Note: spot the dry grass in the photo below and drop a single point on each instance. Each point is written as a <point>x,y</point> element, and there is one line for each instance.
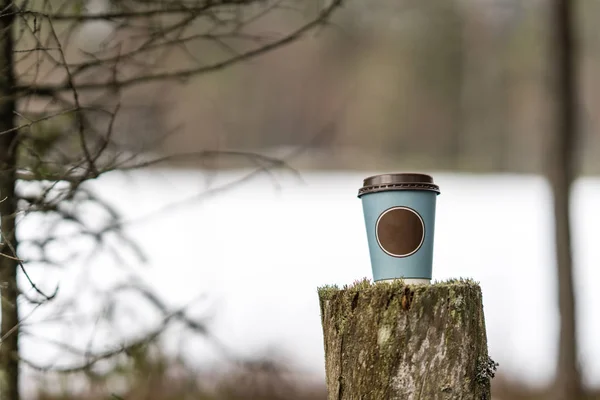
<point>508,389</point>
<point>264,380</point>
<point>256,380</point>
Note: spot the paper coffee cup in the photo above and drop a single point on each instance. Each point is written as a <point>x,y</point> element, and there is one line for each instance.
<point>399,213</point>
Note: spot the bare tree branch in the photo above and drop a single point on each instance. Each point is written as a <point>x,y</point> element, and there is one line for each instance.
<point>201,7</point>
<point>59,125</point>
<point>322,18</point>
<point>131,346</point>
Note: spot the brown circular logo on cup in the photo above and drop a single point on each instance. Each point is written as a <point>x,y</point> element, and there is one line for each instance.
<point>400,231</point>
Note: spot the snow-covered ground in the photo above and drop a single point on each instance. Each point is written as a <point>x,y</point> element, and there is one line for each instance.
<point>259,252</point>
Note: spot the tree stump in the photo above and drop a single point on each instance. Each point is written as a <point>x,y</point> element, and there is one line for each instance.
<point>388,341</point>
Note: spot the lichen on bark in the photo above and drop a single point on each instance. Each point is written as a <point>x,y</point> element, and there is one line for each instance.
<point>397,341</point>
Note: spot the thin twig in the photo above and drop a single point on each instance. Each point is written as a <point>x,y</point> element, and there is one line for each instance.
<point>79,117</point>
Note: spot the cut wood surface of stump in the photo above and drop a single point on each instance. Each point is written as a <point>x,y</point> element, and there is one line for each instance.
<point>395,341</point>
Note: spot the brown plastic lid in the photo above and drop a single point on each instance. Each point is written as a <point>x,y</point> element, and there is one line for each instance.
<point>400,181</point>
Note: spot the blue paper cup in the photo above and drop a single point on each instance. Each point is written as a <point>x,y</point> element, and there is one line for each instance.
<point>399,211</point>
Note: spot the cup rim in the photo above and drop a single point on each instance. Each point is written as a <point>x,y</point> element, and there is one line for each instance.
<point>398,181</point>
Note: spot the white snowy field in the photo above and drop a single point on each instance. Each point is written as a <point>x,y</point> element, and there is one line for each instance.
<point>259,252</point>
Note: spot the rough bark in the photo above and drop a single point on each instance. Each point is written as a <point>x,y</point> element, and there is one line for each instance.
<point>9,328</point>
<point>393,341</point>
<point>561,170</point>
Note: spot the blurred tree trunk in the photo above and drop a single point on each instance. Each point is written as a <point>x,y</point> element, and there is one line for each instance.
<point>561,173</point>
<point>9,365</point>
<point>479,94</point>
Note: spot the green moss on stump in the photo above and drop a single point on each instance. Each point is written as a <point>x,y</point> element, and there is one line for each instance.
<point>398,341</point>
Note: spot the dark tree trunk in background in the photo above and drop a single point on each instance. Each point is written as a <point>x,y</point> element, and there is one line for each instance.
<point>9,365</point>
<point>561,173</point>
